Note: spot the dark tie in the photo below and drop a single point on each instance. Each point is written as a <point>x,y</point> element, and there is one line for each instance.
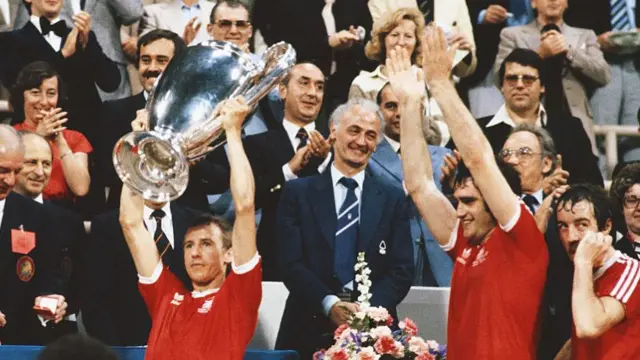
<point>82,4</point>
<point>58,28</point>
<point>303,136</point>
<point>531,202</point>
<point>162,242</point>
<point>426,8</point>
<point>399,152</point>
<point>347,234</point>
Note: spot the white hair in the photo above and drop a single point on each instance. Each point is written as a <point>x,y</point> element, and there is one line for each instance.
<point>364,104</point>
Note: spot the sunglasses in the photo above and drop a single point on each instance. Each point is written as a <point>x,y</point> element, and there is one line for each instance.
<point>227,24</point>
<point>527,80</point>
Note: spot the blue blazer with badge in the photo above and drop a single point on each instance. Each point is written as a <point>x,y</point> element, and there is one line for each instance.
<point>306,227</point>
<point>386,166</point>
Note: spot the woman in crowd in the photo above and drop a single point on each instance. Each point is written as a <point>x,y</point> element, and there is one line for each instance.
<point>35,98</point>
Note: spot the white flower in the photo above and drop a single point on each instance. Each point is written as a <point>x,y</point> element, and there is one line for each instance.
<point>417,345</point>
<point>360,314</point>
<point>379,314</point>
<point>367,353</point>
<point>358,278</point>
<point>380,331</point>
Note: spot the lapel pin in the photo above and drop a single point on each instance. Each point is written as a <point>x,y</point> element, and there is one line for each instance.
<point>382,249</point>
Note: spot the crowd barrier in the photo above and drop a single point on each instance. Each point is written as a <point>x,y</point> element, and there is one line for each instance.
<point>611,134</point>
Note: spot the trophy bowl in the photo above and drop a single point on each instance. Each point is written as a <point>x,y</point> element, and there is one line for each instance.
<point>182,123</point>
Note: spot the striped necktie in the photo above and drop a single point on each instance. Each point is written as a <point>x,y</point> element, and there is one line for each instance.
<point>347,234</point>
<point>426,8</point>
<point>162,242</point>
<point>620,15</point>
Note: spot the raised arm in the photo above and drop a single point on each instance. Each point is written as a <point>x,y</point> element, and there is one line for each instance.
<point>141,245</point>
<point>233,113</point>
<point>416,160</point>
<point>474,148</point>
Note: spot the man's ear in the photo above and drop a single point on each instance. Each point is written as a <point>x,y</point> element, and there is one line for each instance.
<point>547,165</point>
<point>608,225</point>
<point>282,91</point>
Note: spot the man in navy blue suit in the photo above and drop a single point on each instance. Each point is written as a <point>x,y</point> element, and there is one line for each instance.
<point>324,221</point>
<point>433,265</point>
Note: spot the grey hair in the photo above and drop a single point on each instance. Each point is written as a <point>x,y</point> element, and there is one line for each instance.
<point>10,139</point>
<point>366,105</point>
<point>547,146</point>
<point>431,131</point>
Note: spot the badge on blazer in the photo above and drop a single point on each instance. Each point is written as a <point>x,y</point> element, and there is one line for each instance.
<point>25,268</point>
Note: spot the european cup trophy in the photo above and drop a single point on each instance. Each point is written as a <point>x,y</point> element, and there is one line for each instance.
<point>182,123</point>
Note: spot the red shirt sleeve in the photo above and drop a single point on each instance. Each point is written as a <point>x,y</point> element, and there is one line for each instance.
<point>162,290</point>
<point>526,235</point>
<point>621,283</point>
<point>459,242</point>
<point>78,143</point>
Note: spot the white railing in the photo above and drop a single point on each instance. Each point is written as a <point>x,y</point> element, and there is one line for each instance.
<point>611,133</point>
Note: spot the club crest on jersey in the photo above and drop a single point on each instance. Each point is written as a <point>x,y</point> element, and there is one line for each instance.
<point>177,299</point>
<point>206,306</point>
<point>481,257</point>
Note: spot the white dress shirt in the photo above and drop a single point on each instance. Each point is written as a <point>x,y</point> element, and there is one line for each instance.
<point>4,10</point>
<point>502,117</point>
<point>292,130</point>
<point>2,202</point>
<point>538,195</point>
<point>166,222</point>
<point>54,40</point>
<point>39,199</point>
<point>394,144</point>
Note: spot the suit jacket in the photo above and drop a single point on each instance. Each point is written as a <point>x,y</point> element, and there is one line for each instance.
<point>587,70</point>
<point>306,233</point>
<point>80,73</point>
<point>571,142</point>
<point>385,165</point>
<point>598,18</point>
<point>169,17</point>
<point>452,14</point>
<point>40,277</point>
<point>300,24</point>
<point>113,309</point>
<point>14,5</point>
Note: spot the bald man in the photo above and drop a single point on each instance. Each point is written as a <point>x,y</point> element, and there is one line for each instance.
<point>29,252</point>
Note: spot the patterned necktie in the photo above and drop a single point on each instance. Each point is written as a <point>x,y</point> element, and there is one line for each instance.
<point>162,242</point>
<point>347,234</point>
<point>303,136</point>
<point>426,8</point>
<point>531,202</point>
<point>620,15</point>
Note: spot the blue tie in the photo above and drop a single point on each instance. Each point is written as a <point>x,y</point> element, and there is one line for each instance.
<point>347,234</point>
<point>620,15</point>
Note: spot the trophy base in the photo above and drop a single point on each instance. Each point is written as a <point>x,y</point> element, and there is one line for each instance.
<point>151,166</point>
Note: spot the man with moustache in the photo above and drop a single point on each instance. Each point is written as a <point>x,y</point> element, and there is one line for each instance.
<point>27,260</point>
<point>325,221</point>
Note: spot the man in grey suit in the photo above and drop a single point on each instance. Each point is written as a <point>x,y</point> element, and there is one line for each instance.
<point>107,16</point>
<point>433,266</point>
<point>8,12</point>
<point>584,66</point>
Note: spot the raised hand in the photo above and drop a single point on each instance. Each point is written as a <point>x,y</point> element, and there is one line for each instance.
<point>319,147</point>
<point>141,122</point>
<point>552,43</point>
<point>343,39</point>
<point>82,21</point>
<point>495,14</point>
<point>191,30</point>
<point>70,45</point>
<point>51,123</point>
<point>233,113</point>
<point>406,83</point>
<point>437,55</point>
<point>461,41</point>
<point>592,248</point>
<point>557,178</point>
<point>300,159</point>
<point>449,167</point>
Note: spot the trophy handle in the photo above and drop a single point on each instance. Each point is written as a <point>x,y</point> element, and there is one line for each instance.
<point>278,60</point>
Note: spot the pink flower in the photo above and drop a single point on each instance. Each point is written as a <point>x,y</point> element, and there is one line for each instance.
<point>339,331</point>
<point>385,345</point>
<point>389,320</point>
<point>318,355</point>
<point>336,354</point>
<point>380,331</point>
<point>426,356</point>
<point>398,350</point>
<point>409,327</point>
<point>367,353</point>
<point>432,344</point>
<point>378,314</point>
<point>418,346</point>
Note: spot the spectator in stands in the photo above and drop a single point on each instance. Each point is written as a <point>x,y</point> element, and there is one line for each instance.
<point>401,28</point>
<point>573,52</point>
<point>106,20</point>
<point>489,18</point>
<point>604,298</point>
<point>113,310</point>
<point>617,102</point>
<point>8,13</point>
<point>334,216</point>
<point>294,150</point>
<point>34,245</point>
<point>77,347</point>
<point>31,180</point>
<point>323,33</point>
<point>494,240</point>
<point>220,315</point>
<point>522,82</point>
<point>36,96</point>
<point>75,54</point>
<point>433,266</point>
<point>452,16</point>
<point>187,18</point>
<point>625,193</point>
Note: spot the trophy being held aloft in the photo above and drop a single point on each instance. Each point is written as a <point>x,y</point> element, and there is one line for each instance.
<point>182,119</point>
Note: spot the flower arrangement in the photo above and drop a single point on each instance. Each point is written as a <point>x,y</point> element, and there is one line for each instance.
<point>368,336</point>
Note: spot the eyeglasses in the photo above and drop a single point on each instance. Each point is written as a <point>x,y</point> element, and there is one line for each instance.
<point>631,202</point>
<point>521,153</point>
<point>527,80</point>
<point>227,24</point>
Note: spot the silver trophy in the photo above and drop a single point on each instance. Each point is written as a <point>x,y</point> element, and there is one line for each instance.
<point>181,108</point>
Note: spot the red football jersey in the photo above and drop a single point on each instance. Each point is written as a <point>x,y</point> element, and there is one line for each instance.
<point>496,292</point>
<point>218,325</point>
<point>617,279</point>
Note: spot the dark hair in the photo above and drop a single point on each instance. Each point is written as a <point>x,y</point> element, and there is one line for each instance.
<point>625,179</point>
<point>507,171</point>
<point>287,78</point>
<point>524,57</point>
<point>233,4</point>
<point>595,195</point>
<point>379,96</point>
<point>31,77</point>
<point>154,35</point>
<point>225,227</point>
<point>77,347</point>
